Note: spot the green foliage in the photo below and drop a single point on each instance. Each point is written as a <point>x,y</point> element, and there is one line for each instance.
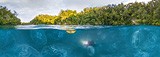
<point>7,17</point>
<point>43,19</point>
<point>137,13</point>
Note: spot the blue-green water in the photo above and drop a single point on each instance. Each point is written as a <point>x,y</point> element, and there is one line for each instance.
<point>116,41</point>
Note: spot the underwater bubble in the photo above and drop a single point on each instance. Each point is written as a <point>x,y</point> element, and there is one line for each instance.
<point>38,37</point>
<point>26,51</point>
<point>54,51</point>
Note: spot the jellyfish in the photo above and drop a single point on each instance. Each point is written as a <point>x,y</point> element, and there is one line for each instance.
<point>38,37</point>
<point>54,51</point>
<point>24,50</point>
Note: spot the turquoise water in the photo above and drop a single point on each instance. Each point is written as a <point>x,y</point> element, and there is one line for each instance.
<point>54,41</point>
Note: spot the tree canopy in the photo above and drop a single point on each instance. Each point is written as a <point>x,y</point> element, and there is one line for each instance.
<point>7,17</point>
<point>44,19</point>
<point>138,13</point>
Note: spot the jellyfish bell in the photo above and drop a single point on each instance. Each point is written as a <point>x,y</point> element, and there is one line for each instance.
<point>70,30</point>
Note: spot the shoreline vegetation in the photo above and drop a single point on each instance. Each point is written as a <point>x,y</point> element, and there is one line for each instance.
<point>137,13</point>
<point>7,17</point>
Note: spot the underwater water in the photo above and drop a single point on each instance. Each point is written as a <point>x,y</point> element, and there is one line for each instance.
<point>87,41</point>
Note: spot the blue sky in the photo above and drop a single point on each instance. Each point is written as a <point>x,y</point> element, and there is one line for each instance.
<point>28,9</point>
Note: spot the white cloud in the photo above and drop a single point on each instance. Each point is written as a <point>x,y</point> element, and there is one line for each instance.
<point>131,1</point>
<point>143,1</point>
<point>3,1</point>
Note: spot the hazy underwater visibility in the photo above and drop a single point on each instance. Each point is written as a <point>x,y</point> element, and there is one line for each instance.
<point>80,41</point>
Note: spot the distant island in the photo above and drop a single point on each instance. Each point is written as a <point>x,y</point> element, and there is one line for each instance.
<point>138,13</point>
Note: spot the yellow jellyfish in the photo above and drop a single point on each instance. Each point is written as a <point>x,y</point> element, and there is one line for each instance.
<point>71,31</point>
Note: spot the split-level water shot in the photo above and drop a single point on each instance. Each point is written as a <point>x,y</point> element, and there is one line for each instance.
<point>79,28</point>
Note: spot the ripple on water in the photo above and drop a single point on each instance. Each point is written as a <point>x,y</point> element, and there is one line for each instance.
<point>38,37</point>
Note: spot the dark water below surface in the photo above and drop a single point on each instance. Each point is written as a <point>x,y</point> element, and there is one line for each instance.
<point>106,41</point>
